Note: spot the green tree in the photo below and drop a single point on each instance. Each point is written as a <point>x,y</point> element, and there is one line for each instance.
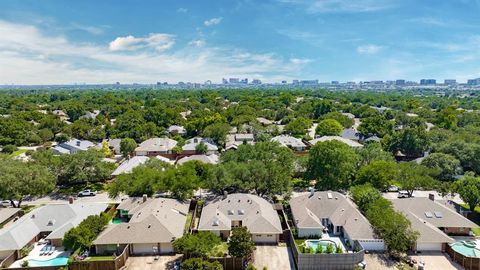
<point>412,142</point>
<point>332,163</point>
<point>82,236</point>
<point>83,167</point>
<point>240,244</point>
<point>344,120</point>
<point>298,127</point>
<point>200,264</point>
<point>376,125</point>
<point>19,180</point>
<point>196,245</point>
<point>127,147</point>
<point>378,173</point>
<point>446,164</point>
<point>469,190</point>
<point>412,176</point>
<point>217,132</point>
<point>9,148</point>
<point>201,148</point>
<point>365,195</point>
<point>373,151</point>
<point>329,127</point>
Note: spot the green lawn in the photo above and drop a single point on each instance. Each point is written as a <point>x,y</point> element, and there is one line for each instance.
<point>18,153</point>
<point>100,258</point>
<point>476,231</point>
<point>299,241</point>
<point>477,209</point>
<point>187,223</point>
<point>219,250</point>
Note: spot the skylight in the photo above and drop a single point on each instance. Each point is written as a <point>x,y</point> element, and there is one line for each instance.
<point>438,214</point>
<point>428,214</point>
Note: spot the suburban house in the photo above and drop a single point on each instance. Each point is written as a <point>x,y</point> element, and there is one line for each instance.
<point>434,220</point>
<point>73,146</point>
<point>290,142</point>
<point>264,121</point>
<point>153,224</point>
<point>208,159</point>
<point>235,140</point>
<point>90,115</point>
<point>49,222</point>
<point>155,146</point>
<point>175,129</point>
<point>236,210</point>
<point>348,142</point>
<point>190,146</point>
<point>129,164</point>
<point>319,212</point>
<point>114,145</point>
<point>61,114</point>
<point>8,214</point>
<point>350,134</point>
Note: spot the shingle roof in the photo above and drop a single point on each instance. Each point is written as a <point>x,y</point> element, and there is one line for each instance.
<point>423,208</point>
<point>6,213</point>
<point>157,145</point>
<point>256,214</point>
<point>309,210</point>
<point>190,145</point>
<point>337,138</point>
<point>54,218</point>
<point>154,221</point>
<point>128,165</point>
<point>209,159</point>
<point>286,140</point>
<point>176,128</point>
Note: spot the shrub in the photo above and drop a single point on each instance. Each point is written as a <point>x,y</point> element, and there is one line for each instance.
<point>9,148</point>
<point>199,263</point>
<point>82,236</point>
<point>197,245</point>
<point>241,243</point>
<point>330,248</point>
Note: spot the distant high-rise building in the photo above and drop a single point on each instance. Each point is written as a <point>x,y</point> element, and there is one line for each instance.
<point>244,81</point>
<point>474,81</point>
<point>224,81</point>
<point>117,83</point>
<point>428,82</point>
<point>233,80</point>
<point>335,82</point>
<point>284,82</point>
<point>400,82</point>
<point>309,82</point>
<point>450,82</point>
<point>208,82</point>
<point>256,81</point>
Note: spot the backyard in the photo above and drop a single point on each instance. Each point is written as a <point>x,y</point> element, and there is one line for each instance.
<point>326,244</point>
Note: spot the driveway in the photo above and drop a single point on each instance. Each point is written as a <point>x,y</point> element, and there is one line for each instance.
<point>149,262</point>
<point>433,261</point>
<point>274,257</point>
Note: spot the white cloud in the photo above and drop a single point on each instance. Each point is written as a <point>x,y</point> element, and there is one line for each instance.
<point>197,42</point>
<point>182,10</point>
<point>29,56</point>
<point>213,21</point>
<point>159,42</point>
<point>334,6</point>
<point>300,61</point>
<point>369,49</point>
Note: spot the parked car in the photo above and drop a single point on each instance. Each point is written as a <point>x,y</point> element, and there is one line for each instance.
<point>362,265</point>
<point>403,194</point>
<point>87,192</point>
<point>393,189</point>
<point>7,203</point>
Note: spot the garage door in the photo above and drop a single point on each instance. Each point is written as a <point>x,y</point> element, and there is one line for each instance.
<point>166,248</point>
<point>143,249</point>
<point>372,245</point>
<point>265,238</point>
<point>429,246</point>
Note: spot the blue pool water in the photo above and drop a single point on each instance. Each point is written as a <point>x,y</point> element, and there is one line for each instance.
<point>59,261</point>
<point>323,243</point>
<point>465,249</point>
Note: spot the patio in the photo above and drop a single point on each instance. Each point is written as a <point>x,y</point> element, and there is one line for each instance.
<point>36,257</point>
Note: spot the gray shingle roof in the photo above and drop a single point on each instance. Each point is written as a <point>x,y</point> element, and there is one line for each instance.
<point>6,213</point>
<point>158,220</point>
<point>256,214</point>
<point>209,159</point>
<point>157,145</point>
<point>54,218</point>
<point>427,216</point>
<point>309,210</point>
<point>336,138</point>
<point>289,141</point>
<point>190,145</point>
<point>128,165</point>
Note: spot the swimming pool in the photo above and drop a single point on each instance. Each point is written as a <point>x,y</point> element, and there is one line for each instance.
<point>466,248</point>
<point>323,243</point>
<point>59,261</point>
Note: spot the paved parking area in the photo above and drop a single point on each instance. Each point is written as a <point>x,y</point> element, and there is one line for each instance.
<point>149,262</point>
<point>274,257</point>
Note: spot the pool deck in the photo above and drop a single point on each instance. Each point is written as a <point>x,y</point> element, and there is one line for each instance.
<point>35,255</point>
<point>335,239</point>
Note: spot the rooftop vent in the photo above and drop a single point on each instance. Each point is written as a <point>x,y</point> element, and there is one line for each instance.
<point>149,225</point>
<point>230,212</point>
<point>329,195</point>
<point>51,222</point>
<point>215,223</point>
<point>241,212</point>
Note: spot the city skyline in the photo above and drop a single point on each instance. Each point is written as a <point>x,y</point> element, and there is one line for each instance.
<point>55,42</point>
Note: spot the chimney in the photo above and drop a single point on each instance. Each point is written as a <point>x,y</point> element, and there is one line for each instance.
<point>431,196</point>
<point>225,194</point>
<point>312,192</point>
<point>144,197</point>
<point>195,140</point>
<point>78,143</point>
<point>70,200</point>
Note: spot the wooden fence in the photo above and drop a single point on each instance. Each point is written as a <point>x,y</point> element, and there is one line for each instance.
<point>114,264</point>
<point>469,263</point>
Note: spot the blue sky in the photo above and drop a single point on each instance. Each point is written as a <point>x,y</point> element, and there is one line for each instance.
<point>46,42</point>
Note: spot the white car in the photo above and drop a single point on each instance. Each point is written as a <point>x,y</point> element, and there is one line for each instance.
<point>393,189</point>
<point>5,203</point>
<point>403,194</point>
<point>87,192</point>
